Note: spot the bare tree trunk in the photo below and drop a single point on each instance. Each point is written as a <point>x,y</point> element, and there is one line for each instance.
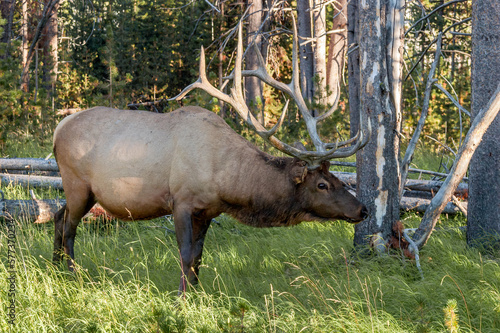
<point>319,21</point>
<point>336,51</point>
<point>353,64</point>
<point>483,224</point>
<point>253,85</point>
<point>25,46</point>
<point>305,49</point>
<point>49,45</point>
<point>378,162</point>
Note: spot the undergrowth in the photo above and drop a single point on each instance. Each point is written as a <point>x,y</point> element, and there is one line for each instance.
<point>300,279</point>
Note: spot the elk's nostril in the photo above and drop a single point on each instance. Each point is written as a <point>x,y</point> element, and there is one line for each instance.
<point>364,213</point>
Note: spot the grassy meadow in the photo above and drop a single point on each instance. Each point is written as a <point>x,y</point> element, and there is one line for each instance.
<point>299,279</point>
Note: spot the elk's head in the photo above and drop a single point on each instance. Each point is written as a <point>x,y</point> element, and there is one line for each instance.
<point>323,196</point>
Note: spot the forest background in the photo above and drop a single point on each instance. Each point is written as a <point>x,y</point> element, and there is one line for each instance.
<point>116,53</point>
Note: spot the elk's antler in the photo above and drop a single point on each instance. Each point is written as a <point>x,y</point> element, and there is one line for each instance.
<point>324,151</point>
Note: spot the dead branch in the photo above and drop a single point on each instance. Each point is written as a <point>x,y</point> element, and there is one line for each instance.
<point>478,127</point>
<point>405,164</point>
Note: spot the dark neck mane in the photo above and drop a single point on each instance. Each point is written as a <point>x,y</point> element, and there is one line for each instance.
<point>271,199</point>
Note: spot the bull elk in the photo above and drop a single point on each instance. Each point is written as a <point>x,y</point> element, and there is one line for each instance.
<point>190,163</point>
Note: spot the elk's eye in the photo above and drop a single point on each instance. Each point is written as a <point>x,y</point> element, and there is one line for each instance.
<point>322,186</point>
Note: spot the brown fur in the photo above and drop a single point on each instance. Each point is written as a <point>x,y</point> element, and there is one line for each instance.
<point>190,163</point>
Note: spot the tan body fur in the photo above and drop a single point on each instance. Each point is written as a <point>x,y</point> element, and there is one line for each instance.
<point>190,163</point>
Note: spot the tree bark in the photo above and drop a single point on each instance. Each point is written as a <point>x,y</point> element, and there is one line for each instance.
<point>31,181</point>
<point>483,223</point>
<point>25,46</point>
<point>28,164</point>
<point>37,211</point>
<point>253,85</point>
<point>336,51</point>
<point>353,65</point>
<point>319,21</point>
<point>50,45</point>
<point>378,161</point>
<point>305,49</point>
<point>48,8</point>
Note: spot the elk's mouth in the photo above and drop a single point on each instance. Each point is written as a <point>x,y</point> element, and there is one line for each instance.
<point>353,221</point>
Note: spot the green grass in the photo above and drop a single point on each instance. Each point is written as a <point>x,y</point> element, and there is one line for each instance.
<point>299,279</point>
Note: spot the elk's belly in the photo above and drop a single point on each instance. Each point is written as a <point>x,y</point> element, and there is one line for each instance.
<point>132,198</point>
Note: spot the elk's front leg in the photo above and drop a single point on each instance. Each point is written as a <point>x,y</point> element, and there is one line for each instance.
<point>184,235</point>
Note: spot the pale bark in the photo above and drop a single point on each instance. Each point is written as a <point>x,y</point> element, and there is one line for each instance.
<point>319,49</point>
<point>35,211</point>
<point>28,164</point>
<point>31,181</point>
<point>24,46</point>
<point>483,224</point>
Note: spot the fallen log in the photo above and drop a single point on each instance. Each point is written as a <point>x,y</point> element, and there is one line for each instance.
<point>31,181</point>
<point>35,211</point>
<point>411,184</point>
<point>420,205</point>
<point>29,164</point>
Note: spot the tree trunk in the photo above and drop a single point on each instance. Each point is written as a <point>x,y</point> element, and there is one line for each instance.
<point>483,224</point>
<point>305,49</point>
<point>336,51</point>
<point>319,21</point>
<point>253,85</point>
<point>25,46</point>
<point>353,65</point>
<point>378,161</point>
<point>49,44</point>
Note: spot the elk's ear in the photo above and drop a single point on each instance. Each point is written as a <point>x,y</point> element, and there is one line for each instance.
<point>299,172</point>
<point>325,166</point>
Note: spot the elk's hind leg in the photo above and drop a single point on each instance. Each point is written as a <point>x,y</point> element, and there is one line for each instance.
<point>59,218</point>
<point>79,202</point>
<point>200,228</point>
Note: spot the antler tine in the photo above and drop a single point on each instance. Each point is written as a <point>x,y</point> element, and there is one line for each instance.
<point>237,100</point>
<point>202,83</point>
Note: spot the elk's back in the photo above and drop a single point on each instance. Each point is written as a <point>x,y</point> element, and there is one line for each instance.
<point>137,163</point>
